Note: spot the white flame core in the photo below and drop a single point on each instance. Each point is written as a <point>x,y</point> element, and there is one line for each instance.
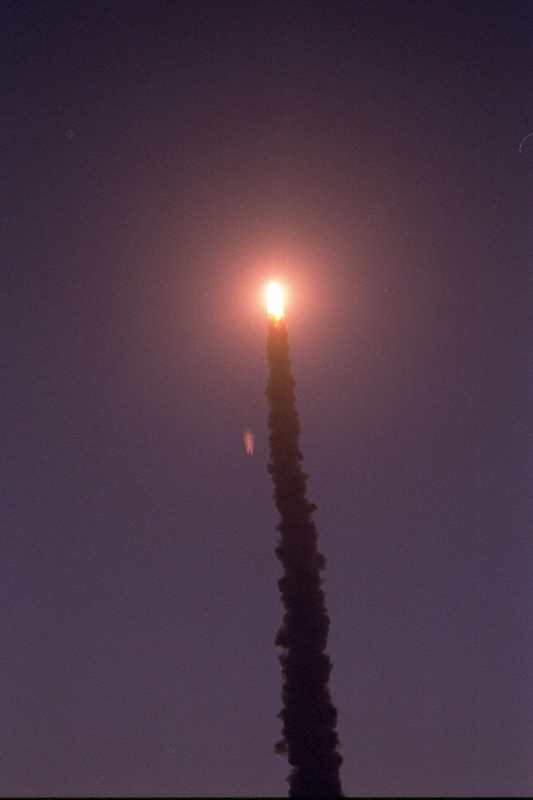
<point>275,300</point>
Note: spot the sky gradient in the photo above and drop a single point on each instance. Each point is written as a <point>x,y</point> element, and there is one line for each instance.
<point>161,161</point>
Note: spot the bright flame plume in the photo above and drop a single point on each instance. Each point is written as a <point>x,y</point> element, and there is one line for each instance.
<point>274,295</point>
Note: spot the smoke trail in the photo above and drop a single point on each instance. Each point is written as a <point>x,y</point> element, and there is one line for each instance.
<point>309,717</point>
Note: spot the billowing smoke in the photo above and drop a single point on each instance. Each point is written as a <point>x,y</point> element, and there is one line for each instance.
<point>309,717</point>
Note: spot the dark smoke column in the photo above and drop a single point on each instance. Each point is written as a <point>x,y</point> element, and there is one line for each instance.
<point>309,717</point>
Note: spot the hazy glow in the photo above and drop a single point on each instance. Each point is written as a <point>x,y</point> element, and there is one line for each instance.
<point>274,294</point>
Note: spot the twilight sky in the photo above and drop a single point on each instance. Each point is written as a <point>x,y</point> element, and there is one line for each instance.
<point>160,161</point>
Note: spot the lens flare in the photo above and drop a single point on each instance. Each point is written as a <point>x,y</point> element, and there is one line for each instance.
<point>274,294</point>
<point>249,440</point>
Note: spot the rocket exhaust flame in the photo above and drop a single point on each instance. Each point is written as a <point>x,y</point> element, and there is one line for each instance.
<point>274,294</point>
<point>309,717</point>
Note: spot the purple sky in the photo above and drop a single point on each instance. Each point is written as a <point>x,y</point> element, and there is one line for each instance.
<point>160,161</point>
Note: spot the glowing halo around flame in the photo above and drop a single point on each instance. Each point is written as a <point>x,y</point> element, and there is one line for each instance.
<point>274,295</point>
